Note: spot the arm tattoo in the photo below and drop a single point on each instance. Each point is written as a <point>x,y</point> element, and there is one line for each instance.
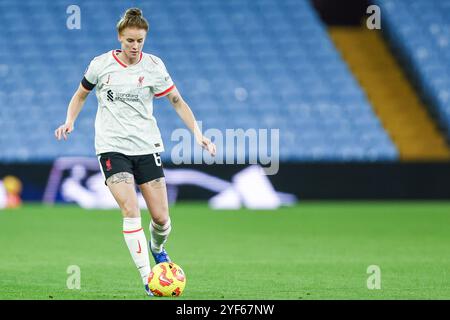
<point>157,183</point>
<point>120,177</point>
<point>175,99</point>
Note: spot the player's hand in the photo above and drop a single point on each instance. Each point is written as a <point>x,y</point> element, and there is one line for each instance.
<point>208,145</point>
<point>64,131</point>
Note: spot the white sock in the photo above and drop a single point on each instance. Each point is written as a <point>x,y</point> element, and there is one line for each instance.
<point>159,235</point>
<point>137,245</point>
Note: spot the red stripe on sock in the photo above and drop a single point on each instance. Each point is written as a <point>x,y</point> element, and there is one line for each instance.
<point>132,231</point>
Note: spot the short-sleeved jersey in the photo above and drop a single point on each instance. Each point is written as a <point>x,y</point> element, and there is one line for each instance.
<point>125,121</point>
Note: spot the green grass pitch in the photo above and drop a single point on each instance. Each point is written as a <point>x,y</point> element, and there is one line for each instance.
<point>315,250</point>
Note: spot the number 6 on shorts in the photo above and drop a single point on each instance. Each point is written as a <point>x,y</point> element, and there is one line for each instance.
<point>157,159</point>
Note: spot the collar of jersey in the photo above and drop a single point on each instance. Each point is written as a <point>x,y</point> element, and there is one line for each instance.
<point>122,63</point>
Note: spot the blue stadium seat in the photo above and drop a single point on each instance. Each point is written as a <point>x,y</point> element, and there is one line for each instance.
<point>239,64</point>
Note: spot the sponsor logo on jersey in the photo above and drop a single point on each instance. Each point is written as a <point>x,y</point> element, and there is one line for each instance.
<point>124,97</point>
<point>110,95</point>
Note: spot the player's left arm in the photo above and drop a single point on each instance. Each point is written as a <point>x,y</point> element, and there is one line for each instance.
<point>186,114</point>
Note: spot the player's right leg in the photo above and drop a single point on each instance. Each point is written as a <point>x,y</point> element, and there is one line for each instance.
<point>121,184</point>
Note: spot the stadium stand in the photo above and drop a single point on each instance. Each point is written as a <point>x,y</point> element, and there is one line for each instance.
<point>239,64</point>
<point>419,31</point>
<point>396,103</point>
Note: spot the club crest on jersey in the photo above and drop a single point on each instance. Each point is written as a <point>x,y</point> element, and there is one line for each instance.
<point>141,81</point>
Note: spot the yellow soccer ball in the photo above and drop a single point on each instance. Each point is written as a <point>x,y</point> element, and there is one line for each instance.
<point>167,279</point>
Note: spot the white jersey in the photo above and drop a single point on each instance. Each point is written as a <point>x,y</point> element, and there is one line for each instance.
<point>125,121</point>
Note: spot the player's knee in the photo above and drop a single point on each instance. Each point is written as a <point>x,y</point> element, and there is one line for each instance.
<point>130,209</point>
<point>160,215</point>
<point>161,219</point>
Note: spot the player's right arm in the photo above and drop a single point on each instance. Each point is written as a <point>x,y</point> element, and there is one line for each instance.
<point>88,83</point>
<point>75,105</point>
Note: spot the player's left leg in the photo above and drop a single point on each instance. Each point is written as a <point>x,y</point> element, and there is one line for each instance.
<point>149,175</point>
<point>155,195</point>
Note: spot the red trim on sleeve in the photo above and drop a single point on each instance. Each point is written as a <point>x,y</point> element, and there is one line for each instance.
<point>164,92</point>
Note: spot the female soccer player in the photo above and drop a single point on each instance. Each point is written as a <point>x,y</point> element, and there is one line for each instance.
<point>127,139</point>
